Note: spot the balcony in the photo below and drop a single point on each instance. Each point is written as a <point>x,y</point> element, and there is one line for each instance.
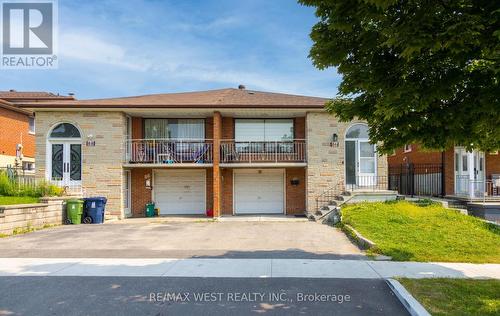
<point>169,151</point>
<point>199,152</point>
<point>260,152</point>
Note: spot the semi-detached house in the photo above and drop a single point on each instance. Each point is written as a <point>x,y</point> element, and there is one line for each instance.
<point>233,151</point>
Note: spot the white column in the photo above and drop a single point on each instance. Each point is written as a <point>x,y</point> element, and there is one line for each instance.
<point>470,168</point>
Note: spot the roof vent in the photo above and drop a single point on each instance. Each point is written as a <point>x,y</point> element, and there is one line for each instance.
<point>12,90</point>
<point>241,87</point>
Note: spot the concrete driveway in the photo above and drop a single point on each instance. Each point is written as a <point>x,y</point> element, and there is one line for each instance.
<point>164,238</point>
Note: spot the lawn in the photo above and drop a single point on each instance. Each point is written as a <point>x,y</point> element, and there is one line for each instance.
<point>11,200</point>
<point>456,296</point>
<point>408,232</point>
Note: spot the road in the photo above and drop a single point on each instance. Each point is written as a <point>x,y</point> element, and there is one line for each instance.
<point>53,295</point>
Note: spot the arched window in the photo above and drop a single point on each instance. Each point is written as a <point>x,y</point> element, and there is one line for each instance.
<point>357,131</point>
<point>65,130</point>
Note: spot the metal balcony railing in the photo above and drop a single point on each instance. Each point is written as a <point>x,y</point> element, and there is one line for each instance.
<point>488,189</point>
<point>168,151</point>
<point>263,152</point>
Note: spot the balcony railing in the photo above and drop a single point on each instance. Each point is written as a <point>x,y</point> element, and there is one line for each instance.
<point>263,152</point>
<point>477,189</point>
<point>168,151</point>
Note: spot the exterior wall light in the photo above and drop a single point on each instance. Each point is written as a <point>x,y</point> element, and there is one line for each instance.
<point>335,140</point>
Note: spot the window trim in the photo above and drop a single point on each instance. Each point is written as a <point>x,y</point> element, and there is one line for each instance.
<point>31,131</point>
<point>407,148</point>
<point>173,118</point>
<point>291,119</point>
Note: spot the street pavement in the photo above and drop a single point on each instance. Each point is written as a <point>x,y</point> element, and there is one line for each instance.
<point>65,295</point>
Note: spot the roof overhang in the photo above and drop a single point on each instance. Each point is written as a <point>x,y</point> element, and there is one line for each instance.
<point>11,107</point>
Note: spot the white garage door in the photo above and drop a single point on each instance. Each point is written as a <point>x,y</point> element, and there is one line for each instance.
<point>180,191</point>
<point>258,191</point>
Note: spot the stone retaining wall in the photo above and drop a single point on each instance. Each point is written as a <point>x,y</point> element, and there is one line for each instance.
<point>50,211</point>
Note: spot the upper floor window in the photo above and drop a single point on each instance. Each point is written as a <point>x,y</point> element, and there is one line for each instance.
<point>31,125</point>
<point>174,128</point>
<point>65,130</point>
<point>264,130</point>
<point>407,148</point>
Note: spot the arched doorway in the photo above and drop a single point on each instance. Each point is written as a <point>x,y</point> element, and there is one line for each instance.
<point>360,157</point>
<point>64,155</point>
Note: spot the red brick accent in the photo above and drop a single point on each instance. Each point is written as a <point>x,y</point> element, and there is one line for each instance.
<point>299,128</point>
<point>295,195</point>
<point>137,129</point>
<point>209,189</point>
<point>216,169</point>
<point>227,191</point>
<point>227,128</point>
<point>449,171</point>
<point>492,164</point>
<point>12,126</point>
<point>416,156</point>
<point>140,195</point>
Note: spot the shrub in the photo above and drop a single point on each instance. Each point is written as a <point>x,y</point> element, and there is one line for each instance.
<point>10,187</point>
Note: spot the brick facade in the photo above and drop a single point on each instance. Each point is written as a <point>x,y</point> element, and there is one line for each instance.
<point>325,164</point>
<point>295,194</point>
<point>139,194</point>
<point>102,172</point>
<point>447,158</point>
<point>14,128</point>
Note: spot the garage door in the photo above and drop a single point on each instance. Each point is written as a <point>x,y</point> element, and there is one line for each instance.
<point>180,191</point>
<point>258,191</point>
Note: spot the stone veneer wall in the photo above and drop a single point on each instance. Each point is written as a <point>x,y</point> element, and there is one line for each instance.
<point>325,164</point>
<point>50,211</point>
<point>102,173</point>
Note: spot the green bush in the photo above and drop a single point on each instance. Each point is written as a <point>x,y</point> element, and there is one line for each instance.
<point>9,187</point>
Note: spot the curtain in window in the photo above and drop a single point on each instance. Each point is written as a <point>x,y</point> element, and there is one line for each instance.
<point>174,128</point>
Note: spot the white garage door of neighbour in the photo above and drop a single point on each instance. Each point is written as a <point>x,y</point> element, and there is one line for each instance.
<point>258,191</point>
<point>180,191</point>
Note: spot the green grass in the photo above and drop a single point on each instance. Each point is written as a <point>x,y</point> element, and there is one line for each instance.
<point>408,232</point>
<point>456,296</point>
<point>11,200</point>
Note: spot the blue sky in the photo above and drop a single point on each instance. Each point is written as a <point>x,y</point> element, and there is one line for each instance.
<point>122,48</point>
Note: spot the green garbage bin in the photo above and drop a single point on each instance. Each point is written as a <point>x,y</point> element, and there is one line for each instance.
<point>74,210</point>
<point>150,210</point>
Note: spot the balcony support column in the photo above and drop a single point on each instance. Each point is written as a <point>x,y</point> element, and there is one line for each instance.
<point>217,181</point>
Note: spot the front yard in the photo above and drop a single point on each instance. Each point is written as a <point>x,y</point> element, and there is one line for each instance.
<point>12,200</point>
<point>456,296</point>
<point>408,232</point>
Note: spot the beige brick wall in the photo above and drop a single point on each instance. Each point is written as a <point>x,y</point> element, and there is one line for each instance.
<point>102,173</point>
<point>325,166</point>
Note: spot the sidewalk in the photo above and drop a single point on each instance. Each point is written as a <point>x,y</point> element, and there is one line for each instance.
<point>242,268</point>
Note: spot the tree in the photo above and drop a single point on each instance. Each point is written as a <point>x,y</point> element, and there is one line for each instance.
<point>418,71</point>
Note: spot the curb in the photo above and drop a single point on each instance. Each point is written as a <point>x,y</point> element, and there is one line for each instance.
<point>362,242</point>
<point>408,301</point>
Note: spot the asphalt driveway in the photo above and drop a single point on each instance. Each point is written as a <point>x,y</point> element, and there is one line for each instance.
<point>178,239</point>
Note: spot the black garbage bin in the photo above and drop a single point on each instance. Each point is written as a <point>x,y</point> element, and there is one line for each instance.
<point>93,210</point>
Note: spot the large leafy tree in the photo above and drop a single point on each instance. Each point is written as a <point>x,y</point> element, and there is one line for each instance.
<point>418,71</point>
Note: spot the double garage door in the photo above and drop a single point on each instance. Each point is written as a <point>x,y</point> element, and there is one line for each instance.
<point>254,191</point>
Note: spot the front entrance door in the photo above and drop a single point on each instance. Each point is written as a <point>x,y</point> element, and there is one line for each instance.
<point>360,163</point>
<point>67,163</point>
<point>469,172</point>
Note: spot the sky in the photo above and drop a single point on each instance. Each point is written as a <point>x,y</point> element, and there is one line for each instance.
<point>112,48</point>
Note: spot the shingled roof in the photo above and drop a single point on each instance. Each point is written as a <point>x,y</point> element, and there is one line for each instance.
<point>26,96</point>
<point>222,98</point>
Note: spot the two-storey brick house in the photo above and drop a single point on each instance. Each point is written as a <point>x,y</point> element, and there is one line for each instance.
<point>233,151</point>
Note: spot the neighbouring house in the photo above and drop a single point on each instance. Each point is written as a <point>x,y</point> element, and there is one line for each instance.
<point>231,151</point>
<point>17,129</point>
<point>472,177</point>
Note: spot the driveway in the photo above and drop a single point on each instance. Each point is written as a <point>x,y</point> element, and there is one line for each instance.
<point>177,239</point>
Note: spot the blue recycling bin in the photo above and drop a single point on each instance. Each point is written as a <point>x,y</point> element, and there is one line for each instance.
<point>93,210</point>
